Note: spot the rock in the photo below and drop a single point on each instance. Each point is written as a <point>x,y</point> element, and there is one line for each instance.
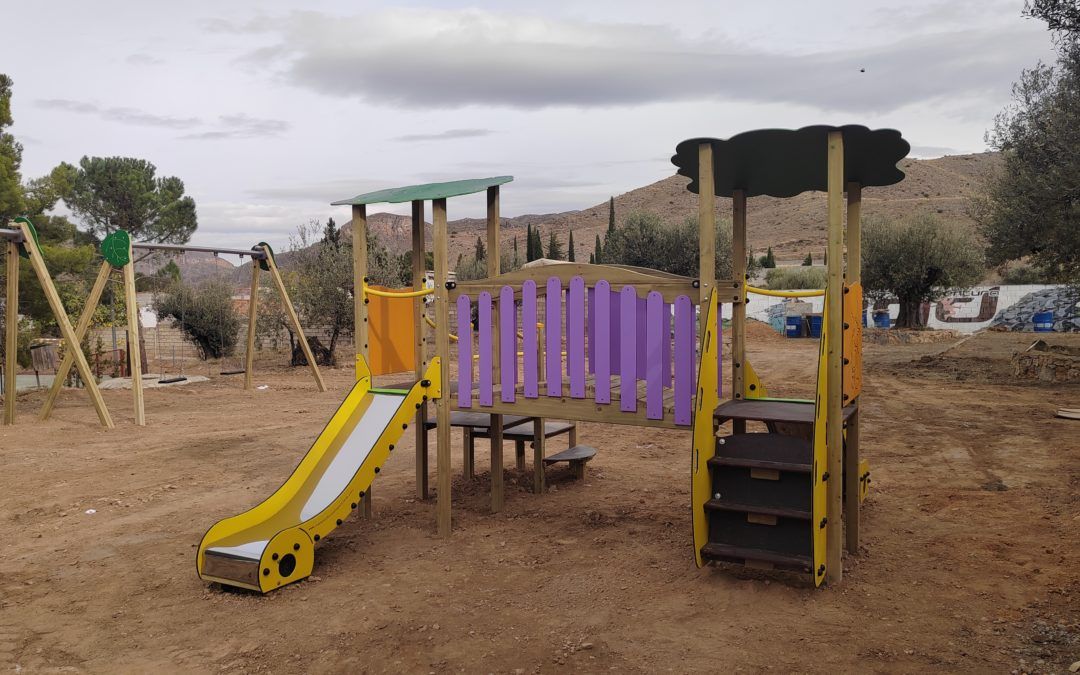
<point>1075,667</point>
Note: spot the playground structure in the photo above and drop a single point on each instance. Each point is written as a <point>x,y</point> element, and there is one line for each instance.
<point>117,251</point>
<point>22,242</point>
<point>616,345</point>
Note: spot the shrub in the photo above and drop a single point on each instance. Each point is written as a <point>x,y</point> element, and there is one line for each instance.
<point>794,278</point>
<point>204,313</point>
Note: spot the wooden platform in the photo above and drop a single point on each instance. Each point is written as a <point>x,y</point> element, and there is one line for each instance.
<point>764,410</point>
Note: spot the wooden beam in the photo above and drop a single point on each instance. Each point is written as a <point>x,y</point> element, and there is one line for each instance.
<point>706,223</point>
<point>11,332</point>
<point>442,350</point>
<point>539,477</point>
<point>134,358</point>
<point>360,270</point>
<point>253,320</point>
<point>290,311</point>
<point>37,262</point>
<point>494,253</point>
<point>834,359</point>
<point>419,268</point>
<point>851,453</point>
<point>738,309</point>
<point>85,318</point>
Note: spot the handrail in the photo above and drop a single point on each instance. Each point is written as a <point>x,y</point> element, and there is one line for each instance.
<point>785,294</point>
<point>369,290</point>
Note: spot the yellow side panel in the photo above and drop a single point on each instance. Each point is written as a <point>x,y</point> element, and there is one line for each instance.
<point>391,334</point>
<point>754,387</point>
<point>864,480</point>
<point>704,436</point>
<point>821,455</point>
<point>853,309</point>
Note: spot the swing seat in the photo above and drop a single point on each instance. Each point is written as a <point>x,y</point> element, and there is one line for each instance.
<point>234,372</point>
<point>171,380</point>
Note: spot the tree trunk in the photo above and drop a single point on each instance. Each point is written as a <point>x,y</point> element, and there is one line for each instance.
<point>911,315</point>
<point>333,344</point>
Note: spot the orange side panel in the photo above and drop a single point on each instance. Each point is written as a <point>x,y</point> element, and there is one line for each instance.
<point>391,334</point>
<point>853,313</point>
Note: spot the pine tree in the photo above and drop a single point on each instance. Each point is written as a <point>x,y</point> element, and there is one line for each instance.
<point>538,246</point>
<point>554,248</point>
<point>611,216</point>
<point>770,260</point>
<point>592,259</point>
<point>331,234</point>
<point>481,252</point>
<point>517,258</point>
<point>570,250</point>
<point>808,261</point>
<point>598,249</point>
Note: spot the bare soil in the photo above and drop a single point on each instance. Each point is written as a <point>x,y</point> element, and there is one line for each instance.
<point>970,559</point>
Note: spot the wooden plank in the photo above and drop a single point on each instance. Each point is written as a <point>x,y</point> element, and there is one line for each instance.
<point>37,262</point>
<point>253,317</point>
<point>707,224</point>
<point>575,337</point>
<point>290,311</point>
<point>582,410</point>
<point>85,318</point>
<point>360,270</point>
<point>497,487</point>
<point>629,347</point>
<point>442,350</point>
<point>465,352</point>
<point>553,327</point>
<point>602,338</point>
<point>507,343</point>
<point>468,454</point>
<point>539,438</point>
<point>654,355</point>
<point>419,265</point>
<point>530,345</point>
<point>738,314</point>
<point>851,455</point>
<point>684,360</point>
<point>486,339</point>
<point>834,298</point>
<point>11,333</point>
<point>134,358</point>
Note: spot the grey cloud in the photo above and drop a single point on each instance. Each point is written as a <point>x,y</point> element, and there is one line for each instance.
<point>241,126</point>
<point>449,134</point>
<point>451,59</point>
<point>322,192</point>
<point>118,114</point>
<point>143,60</point>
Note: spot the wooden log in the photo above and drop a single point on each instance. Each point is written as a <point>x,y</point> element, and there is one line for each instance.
<point>81,327</point>
<point>11,332</point>
<point>442,350</point>
<point>134,357</point>
<point>494,257</point>
<point>294,320</point>
<point>37,262</point>
<point>539,479</point>
<point>834,364</point>
<point>253,320</point>
<point>706,223</point>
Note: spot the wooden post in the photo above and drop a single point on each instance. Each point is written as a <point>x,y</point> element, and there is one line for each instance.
<point>539,479</point>
<point>442,350</point>
<point>706,223</point>
<point>253,319</point>
<point>294,320</point>
<point>419,268</point>
<point>134,357</point>
<point>11,332</point>
<point>834,434</point>
<point>738,310</point>
<point>68,333</point>
<point>360,270</point>
<point>468,456</point>
<point>851,442</point>
<point>494,253</point>
<point>81,327</point>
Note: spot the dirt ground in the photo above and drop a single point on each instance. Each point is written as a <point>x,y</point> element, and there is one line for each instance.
<point>970,559</point>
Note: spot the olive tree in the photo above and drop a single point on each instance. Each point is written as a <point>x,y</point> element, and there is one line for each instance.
<point>917,260</point>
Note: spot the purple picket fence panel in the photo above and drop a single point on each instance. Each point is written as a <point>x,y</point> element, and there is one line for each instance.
<point>684,360</point>
<point>507,344</point>
<point>553,328</point>
<point>720,350</point>
<point>465,352</point>
<point>486,348</point>
<point>600,312</point>
<point>575,337</point>
<point>614,333</point>
<point>530,345</point>
<point>641,362</point>
<point>666,320</point>
<point>654,354</point>
<point>590,329</point>
<point>628,355</point>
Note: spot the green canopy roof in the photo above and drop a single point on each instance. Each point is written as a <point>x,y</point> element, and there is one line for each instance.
<point>786,162</point>
<point>409,193</point>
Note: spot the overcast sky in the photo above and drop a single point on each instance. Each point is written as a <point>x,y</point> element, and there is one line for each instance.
<point>270,110</point>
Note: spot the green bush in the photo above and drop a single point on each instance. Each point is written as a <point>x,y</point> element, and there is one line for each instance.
<point>644,241</point>
<point>794,278</point>
<point>205,314</point>
<point>1022,274</point>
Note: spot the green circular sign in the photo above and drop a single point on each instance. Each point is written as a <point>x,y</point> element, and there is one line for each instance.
<point>116,248</point>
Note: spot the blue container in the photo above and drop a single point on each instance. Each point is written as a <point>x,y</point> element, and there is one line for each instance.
<point>1044,322</point>
<point>815,325</point>
<point>793,327</point>
<point>882,320</point>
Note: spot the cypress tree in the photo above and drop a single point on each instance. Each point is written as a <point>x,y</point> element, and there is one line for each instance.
<point>611,215</point>
<point>598,249</point>
<point>570,250</point>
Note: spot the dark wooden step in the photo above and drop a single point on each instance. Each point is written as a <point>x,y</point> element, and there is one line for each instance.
<point>764,451</point>
<point>762,410</point>
<point>578,453</point>
<point>780,512</point>
<point>713,551</point>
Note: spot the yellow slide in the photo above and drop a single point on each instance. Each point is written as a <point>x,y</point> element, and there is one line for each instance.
<point>273,544</point>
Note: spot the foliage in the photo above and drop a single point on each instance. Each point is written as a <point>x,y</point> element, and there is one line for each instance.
<point>323,269</point>
<point>205,314</point>
<point>468,269</point>
<point>570,255</point>
<point>1031,207</point>
<point>767,261</point>
<point>598,250</point>
<point>610,216</point>
<point>11,193</point>
<point>644,241</point>
<point>534,248</point>
<point>808,260</point>
<point>163,277</point>
<point>917,260</point>
<point>111,193</point>
<point>479,250</point>
<point>1022,274</point>
<point>793,278</point>
<point>1059,15</point>
<point>554,247</point>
